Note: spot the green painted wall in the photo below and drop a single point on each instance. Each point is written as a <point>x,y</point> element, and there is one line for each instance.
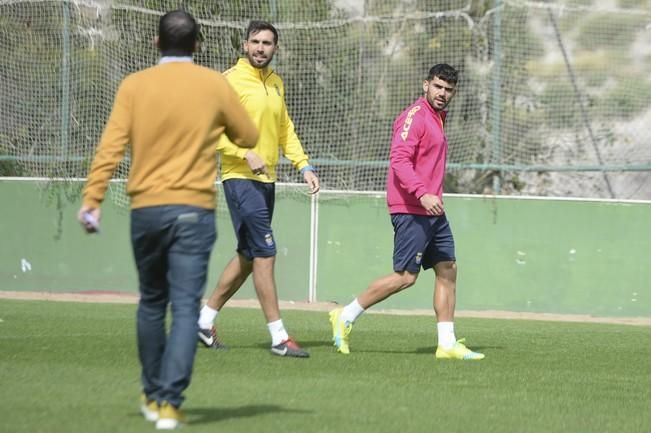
<point>555,256</point>
<point>64,259</point>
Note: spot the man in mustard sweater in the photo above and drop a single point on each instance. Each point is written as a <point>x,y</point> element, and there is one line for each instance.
<point>170,115</point>
<point>249,177</point>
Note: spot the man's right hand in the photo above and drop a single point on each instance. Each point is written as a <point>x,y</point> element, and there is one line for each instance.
<point>256,164</point>
<point>432,204</point>
<point>89,218</point>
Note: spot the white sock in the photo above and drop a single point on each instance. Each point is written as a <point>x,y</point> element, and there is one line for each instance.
<point>277,331</point>
<point>446,334</point>
<point>351,311</point>
<point>207,317</point>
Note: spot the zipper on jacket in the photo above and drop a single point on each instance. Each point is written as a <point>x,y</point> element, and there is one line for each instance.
<point>264,81</point>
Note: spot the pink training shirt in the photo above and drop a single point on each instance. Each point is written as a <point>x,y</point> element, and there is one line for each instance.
<point>419,150</point>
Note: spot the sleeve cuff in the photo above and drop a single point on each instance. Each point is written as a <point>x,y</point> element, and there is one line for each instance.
<point>307,168</point>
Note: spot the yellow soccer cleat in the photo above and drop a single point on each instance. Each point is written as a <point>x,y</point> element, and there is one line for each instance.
<point>169,417</point>
<point>458,351</point>
<point>340,331</point>
<point>148,408</point>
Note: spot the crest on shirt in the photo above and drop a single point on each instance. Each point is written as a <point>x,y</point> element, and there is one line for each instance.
<point>410,118</point>
<point>419,258</point>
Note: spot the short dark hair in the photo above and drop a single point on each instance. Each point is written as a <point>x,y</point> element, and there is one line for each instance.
<point>444,72</point>
<point>178,32</point>
<point>256,26</point>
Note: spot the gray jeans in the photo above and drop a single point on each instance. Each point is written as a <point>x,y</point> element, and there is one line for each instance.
<point>171,246</point>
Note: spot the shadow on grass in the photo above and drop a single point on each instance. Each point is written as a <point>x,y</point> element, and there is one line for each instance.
<point>205,415</point>
<point>432,349</point>
<point>421,351</point>
<point>303,344</point>
<point>427,350</point>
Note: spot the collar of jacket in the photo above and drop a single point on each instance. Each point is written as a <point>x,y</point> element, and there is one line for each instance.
<point>175,59</point>
<point>261,74</point>
<point>440,114</point>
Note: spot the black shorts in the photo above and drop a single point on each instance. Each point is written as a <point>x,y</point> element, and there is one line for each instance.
<point>421,241</point>
<point>251,205</point>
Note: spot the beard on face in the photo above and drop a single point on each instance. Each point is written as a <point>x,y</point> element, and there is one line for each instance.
<point>437,104</point>
<point>255,63</point>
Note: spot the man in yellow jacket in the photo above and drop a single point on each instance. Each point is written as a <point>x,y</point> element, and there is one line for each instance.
<point>170,115</point>
<point>249,178</point>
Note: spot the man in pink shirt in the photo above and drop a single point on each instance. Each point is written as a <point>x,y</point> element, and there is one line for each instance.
<point>422,234</point>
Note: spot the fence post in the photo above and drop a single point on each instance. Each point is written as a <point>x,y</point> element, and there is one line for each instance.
<point>496,157</point>
<point>314,243</point>
<point>65,81</point>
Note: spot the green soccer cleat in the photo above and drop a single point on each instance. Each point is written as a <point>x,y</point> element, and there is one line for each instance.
<point>340,331</point>
<point>458,351</point>
<point>148,408</point>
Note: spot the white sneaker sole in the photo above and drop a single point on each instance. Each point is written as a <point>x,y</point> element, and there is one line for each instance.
<point>149,414</point>
<point>167,424</point>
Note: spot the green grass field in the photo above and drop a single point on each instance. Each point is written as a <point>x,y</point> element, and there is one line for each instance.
<point>72,367</point>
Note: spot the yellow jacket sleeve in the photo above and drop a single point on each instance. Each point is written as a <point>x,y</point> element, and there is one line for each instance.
<point>289,141</point>
<point>111,148</point>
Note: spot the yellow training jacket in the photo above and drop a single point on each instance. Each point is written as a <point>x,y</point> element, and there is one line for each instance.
<point>262,94</point>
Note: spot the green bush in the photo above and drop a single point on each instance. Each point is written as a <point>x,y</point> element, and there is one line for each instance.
<point>10,168</point>
<point>609,31</point>
<point>560,105</point>
<point>633,4</point>
<point>628,98</point>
